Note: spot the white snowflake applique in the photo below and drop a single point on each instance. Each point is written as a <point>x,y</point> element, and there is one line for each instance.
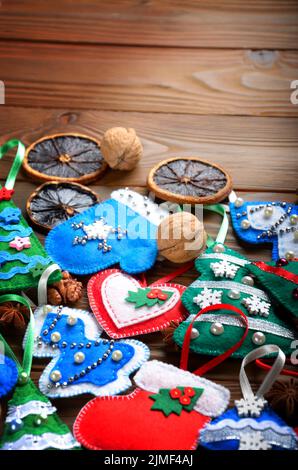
<point>253,441</point>
<point>98,230</point>
<point>208,297</point>
<point>250,406</point>
<point>224,269</point>
<point>256,306</point>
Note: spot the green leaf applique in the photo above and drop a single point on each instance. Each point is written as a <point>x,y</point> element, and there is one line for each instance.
<point>176,399</point>
<point>148,297</point>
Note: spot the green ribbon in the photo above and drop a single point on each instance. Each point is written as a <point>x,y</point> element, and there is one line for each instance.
<point>29,344</point>
<point>19,157</point>
<point>223,230</point>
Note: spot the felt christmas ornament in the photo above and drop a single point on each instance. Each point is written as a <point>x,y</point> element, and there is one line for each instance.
<point>167,410</point>
<point>251,424</point>
<point>280,281</point>
<point>267,222</point>
<point>8,375</point>
<point>125,306</point>
<point>22,257</point>
<point>31,422</point>
<point>119,230</point>
<point>83,362</point>
<point>225,278</point>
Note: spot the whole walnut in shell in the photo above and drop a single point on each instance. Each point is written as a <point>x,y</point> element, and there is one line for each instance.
<point>181,237</point>
<point>121,148</point>
<point>68,290</point>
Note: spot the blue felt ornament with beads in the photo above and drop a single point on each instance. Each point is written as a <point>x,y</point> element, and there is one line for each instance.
<point>267,222</point>
<point>119,230</point>
<point>83,362</point>
<point>8,375</point>
<point>251,424</point>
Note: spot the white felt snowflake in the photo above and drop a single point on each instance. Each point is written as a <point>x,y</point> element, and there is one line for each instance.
<point>250,406</point>
<point>253,441</point>
<point>208,297</point>
<point>224,269</point>
<point>256,306</point>
<point>99,230</point>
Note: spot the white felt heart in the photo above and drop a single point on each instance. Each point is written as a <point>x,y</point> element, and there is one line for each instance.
<point>114,291</point>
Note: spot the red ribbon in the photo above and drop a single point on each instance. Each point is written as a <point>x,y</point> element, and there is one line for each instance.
<point>265,366</point>
<point>222,357</point>
<point>281,272</point>
<point>185,267</point>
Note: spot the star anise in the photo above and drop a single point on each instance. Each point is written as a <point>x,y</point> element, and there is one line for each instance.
<point>283,398</point>
<point>14,315</point>
<point>168,332</point>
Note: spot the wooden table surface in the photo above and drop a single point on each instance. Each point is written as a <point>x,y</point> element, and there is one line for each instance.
<point>205,78</point>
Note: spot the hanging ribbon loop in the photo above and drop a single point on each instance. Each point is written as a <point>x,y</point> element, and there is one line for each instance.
<point>216,360</point>
<point>270,377</point>
<point>29,343</point>
<point>223,230</point>
<point>42,291</point>
<point>19,157</point>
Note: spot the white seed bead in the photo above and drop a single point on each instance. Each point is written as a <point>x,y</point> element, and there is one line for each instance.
<point>55,337</point>
<point>117,355</point>
<point>194,333</point>
<point>79,357</point>
<point>290,255</point>
<point>239,202</point>
<point>258,338</point>
<point>245,224</point>
<point>294,219</point>
<point>219,248</point>
<point>217,328</point>
<point>55,375</point>
<point>72,320</point>
<point>248,281</point>
<point>268,211</point>
<point>234,294</point>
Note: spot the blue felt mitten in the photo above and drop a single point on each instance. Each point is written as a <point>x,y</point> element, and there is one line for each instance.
<point>119,230</point>
<point>267,222</point>
<point>82,361</point>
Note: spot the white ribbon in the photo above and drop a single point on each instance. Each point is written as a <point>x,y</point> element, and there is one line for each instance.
<point>42,295</point>
<point>270,377</point>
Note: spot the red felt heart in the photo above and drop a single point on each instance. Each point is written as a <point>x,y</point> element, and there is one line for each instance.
<point>126,422</point>
<point>107,291</point>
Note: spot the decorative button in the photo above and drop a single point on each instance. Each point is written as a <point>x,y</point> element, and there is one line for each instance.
<point>294,219</point>
<point>72,320</point>
<point>258,338</point>
<point>290,255</point>
<point>175,393</point>
<point>219,248</point>
<point>268,211</point>
<point>234,294</point>
<point>55,337</point>
<point>55,376</point>
<point>245,224</point>
<point>239,202</point>
<point>117,355</point>
<point>15,425</point>
<point>194,333</point>
<point>23,378</point>
<point>248,281</point>
<point>79,357</point>
<point>281,262</point>
<point>217,329</point>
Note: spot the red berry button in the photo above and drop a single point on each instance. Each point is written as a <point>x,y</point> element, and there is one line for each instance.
<point>189,392</point>
<point>175,393</point>
<point>162,296</point>
<point>185,400</point>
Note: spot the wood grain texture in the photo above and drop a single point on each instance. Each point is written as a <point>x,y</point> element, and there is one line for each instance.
<point>260,153</point>
<point>187,23</point>
<point>193,81</point>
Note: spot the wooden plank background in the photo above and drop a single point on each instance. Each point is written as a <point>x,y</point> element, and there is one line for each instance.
<point>206,78</point>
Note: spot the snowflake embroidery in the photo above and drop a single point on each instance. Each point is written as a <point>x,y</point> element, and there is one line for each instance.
<point>99,230</point>
<point>253,441</point>
<point>250,406</point>
<point>256,306</point>
<point>224,269</point>
<point>208,297</point>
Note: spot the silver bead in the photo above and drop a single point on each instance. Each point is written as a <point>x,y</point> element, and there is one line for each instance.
<point>79,357</point>
<point>290,255</point>
<point>245,224</point>
<point>268,211</point>
<point>239,202</point>
<point>194,333</point>
<point>248,281</point>
<point>217,328</point>
<point>234,294</point>
<point>55,375</point>
<point>71,320</point>
<point>219,248</point>
<point>117,355</point>
<point>258,338</point>
<point>55,337</point>
<point>294,219</point>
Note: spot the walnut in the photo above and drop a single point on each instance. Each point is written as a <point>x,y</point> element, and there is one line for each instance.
<point>15,315</point>
<point>68,290</point>
<point>181,237</point>
<point>121,148</point>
